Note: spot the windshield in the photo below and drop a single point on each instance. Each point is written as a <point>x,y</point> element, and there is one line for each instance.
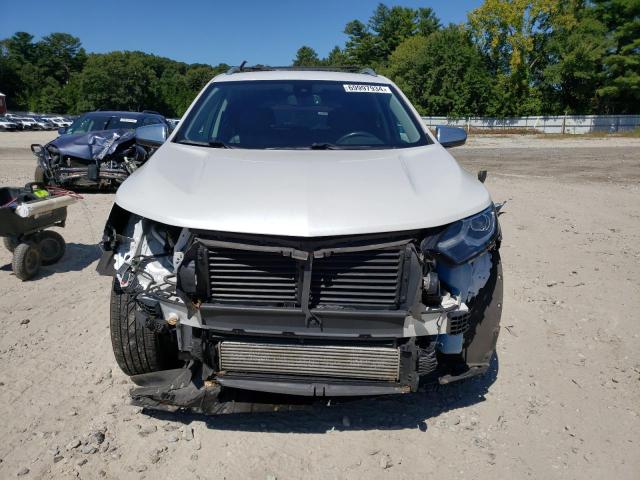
<point>286,114</point>
<point>91,123</point>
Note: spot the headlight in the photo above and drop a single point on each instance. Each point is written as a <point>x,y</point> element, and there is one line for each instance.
<point>467,238</point>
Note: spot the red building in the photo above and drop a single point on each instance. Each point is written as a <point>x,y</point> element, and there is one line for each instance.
<point>3,103</point>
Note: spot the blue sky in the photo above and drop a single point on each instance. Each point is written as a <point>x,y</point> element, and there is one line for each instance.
<point>201,31</point>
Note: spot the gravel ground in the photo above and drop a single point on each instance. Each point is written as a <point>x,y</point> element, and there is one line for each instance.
<point>562,401</point>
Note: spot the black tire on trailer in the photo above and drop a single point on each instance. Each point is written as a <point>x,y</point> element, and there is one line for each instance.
<point>10,243</point>
<point>138,349</point>
<point>51,245</point>
<point>26,260</point>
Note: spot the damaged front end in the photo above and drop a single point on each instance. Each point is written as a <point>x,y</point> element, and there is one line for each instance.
<point>313,317</point>
<point>102,159</point>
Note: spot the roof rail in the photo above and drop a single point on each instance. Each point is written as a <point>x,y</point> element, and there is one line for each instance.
<point>267,68</point>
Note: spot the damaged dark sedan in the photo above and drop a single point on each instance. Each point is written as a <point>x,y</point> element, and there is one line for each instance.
<point>301,233</point>
<point>99,149</point>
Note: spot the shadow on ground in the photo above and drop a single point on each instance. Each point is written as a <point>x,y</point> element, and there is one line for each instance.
<point>398,412</point>
<point>77,257</point>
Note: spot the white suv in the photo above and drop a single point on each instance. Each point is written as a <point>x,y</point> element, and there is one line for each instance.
<point>301,232</point>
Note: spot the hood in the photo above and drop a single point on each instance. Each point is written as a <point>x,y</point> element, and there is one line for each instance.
<point>302,193</point>
<point>88,145</point>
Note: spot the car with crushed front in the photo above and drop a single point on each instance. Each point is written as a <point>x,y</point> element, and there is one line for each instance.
<point>98,150</point>
<point>301,233</point>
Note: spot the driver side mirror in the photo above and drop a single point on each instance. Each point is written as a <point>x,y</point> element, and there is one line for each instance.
<point>450,136</point>
<point>62,130</point>
<point>152,135</point>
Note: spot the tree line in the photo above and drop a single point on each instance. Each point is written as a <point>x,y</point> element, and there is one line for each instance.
<point>55,74</point>
<point>512,57</point>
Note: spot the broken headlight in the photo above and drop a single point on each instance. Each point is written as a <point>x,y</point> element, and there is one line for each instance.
<point>468,237</point>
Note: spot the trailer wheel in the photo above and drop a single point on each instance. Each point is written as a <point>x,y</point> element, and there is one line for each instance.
<point>138,349</point>
<point>10,243</point>
<point>51,245</point>
<point>26,261</point>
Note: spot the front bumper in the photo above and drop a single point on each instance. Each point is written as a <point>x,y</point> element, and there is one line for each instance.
<point>88,174</point>
<point>206,318</point>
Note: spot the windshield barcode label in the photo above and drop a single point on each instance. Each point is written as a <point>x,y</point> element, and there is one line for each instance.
<point>365,88</point>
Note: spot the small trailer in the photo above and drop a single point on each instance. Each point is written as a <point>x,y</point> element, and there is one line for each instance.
<point>25,214</point>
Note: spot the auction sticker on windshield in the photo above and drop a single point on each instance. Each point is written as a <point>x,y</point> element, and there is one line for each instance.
<point>128,120</point>
<point>364,88</point>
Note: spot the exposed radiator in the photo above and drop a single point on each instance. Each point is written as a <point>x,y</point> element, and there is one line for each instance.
<point>246,277</point>
<point>370,278</point>
<point>367,279</point>
<point>372,363</point>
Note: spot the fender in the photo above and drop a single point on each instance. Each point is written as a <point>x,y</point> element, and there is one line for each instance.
<point>115,226</point>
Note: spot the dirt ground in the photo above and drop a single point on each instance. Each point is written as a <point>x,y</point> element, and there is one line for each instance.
<point>562,401</point>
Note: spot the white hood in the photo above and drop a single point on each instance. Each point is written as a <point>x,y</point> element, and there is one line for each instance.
<point>302,193</point>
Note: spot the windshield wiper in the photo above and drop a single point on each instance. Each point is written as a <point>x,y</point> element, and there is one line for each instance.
<point>218,144</point>
<point>324,146</point>
<point>212,144</point>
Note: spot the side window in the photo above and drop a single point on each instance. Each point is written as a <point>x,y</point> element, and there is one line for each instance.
<point>82,125</point>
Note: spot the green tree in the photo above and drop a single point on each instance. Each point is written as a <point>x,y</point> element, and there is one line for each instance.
<point>336,57</point>
<point>306,57</point>
<point>60,55</point>
<point>507,31</point>
<point>442,74</point>
<point>388,27</point>
<point>427,22</point>
<point>573,68</point>
<point>621,89</point>
<point>117,80</point>
<point>360,47</point>
<point>9,79</point>
<point>20,47</point>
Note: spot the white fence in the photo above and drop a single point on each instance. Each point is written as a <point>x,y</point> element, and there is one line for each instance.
<point>571,124</point>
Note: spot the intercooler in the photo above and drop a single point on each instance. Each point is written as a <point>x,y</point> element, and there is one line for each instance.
<point>335,361</point>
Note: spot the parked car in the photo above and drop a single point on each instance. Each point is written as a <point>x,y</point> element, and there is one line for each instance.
<point>98,150</point>
<point>40,124</point>
<point>8,125</point>
<point>26,123</point>
<point>173,122</point>
<point>94,121</point>
<point>46,123</point>
<point>60,122</point>
<point>303,233</point>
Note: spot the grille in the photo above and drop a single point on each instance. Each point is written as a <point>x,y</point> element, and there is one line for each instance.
<point>372,363</point>
<point>368,279</point>
<point>458,324</point>
<point>248,277</point>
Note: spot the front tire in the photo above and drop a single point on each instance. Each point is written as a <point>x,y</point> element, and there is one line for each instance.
<point>137,349</point>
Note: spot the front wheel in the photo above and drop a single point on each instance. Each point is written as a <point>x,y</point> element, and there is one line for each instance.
<point>137,349</point>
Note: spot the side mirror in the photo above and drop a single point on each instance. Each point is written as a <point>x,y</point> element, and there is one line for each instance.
<point>152,135</point>
<point>450,136</point>
<point>62,130</point>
